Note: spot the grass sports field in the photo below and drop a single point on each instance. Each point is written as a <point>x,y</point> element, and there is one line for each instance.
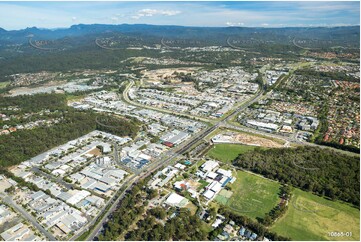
<point>223,196</point>
<point>228,152</point>
<point>3,84</point>
<point>310,217</point>
<point>253,196</point>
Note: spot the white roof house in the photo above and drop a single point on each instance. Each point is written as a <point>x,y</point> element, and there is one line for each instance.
<point>144,156</point>
<point>181,185</point>
<point>95,200</point>
<point>118,174</point>
<point>209,194</point>
<point>223,180</point>
<point>263,125</point>
<point>180,166</point>
<point>78,196</point>
<point>176,200</point>
<point>200,174</point>
<point>212,175</point>
<point>193,193</point>
<point>4,213</point>
<point>58,172</point>
<point>24,174</point>
<point>17,232</point>
<point>77,177</point>
<point>216,223</point>
<point>106,148</point>
<point>224,172</point>
<point>215,186</point>
<point>209,165</point>
<point>155,182</point>
<point>37,195</point>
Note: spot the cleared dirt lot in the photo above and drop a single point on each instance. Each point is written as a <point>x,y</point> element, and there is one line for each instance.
<point>255,140</point>
<point>166,73</point>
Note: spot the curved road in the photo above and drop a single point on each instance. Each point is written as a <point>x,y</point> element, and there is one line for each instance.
<point>180,150</point>
<point>126,98</point>
<point>165,159</point>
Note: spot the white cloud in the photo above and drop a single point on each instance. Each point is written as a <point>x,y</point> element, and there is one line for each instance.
<point>326,8</point>
<point>276,14</point>
<point>147,12</point>
<point>232,24</point>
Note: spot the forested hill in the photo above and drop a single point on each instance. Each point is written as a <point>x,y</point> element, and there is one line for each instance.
<point>322,171</point>
<point>170,31</point>
<point>92,46</point>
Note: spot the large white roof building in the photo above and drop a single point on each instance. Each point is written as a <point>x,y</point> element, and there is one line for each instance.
<point>176,200</point>
<point>209,165</point>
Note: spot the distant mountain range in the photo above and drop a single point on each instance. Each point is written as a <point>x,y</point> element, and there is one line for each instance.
<point>87,46</point>
<point>350,33</point>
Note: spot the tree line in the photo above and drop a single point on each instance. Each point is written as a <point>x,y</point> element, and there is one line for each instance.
<point>128,209</point>
<point>280,209</point>
<point>20,181</point>
<point>341,76</point>
<point>121,126</point>
<point>321,171</point>
<point>27,143</point>
<point>32,103</point>
<point>183,227</point>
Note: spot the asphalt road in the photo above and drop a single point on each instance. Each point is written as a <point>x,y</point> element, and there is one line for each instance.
<point>180,150</point>
<point>126,98</point>
<point>28,217</point>
<point>114,201</point>
<point>164,160</point>
<point>170,155</point>
<point>52,177</point>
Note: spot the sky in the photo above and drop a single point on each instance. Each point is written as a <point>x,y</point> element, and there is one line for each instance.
<point>19,15</point>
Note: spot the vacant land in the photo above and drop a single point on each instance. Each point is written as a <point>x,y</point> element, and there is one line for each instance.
<point>228,152</point>
<point>159,75</point>
<point>257,140</point>
<point>310,217</point>
<point>192,208</point>
<point>253,196</point>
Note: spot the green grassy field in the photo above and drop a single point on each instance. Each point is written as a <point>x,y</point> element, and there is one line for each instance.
<point>72,97</point>
<point>3,84</point>
<point>310,217</point>
<point>223,197</point>
<point>253,196</point>
<point>228,152</point>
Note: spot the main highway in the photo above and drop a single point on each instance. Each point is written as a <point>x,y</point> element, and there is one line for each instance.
<point>169,156</point>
